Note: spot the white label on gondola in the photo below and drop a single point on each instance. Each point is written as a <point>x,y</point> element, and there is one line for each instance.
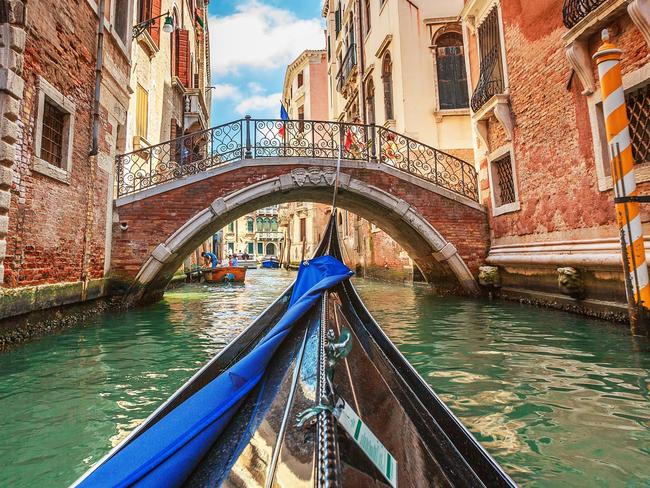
<point>367,441</point>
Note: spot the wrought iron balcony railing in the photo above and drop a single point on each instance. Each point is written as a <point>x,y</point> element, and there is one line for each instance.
<point>490,82</point>
<point>573,11</point>
<point>348,63</point>
<point>265,138</point>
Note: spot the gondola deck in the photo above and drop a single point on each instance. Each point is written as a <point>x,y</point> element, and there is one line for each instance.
<point>264,445</point>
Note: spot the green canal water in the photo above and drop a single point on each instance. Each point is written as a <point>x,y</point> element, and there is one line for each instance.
<point>557,399</point>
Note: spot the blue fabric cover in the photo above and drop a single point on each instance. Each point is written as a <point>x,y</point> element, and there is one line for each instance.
<point>167,452</point>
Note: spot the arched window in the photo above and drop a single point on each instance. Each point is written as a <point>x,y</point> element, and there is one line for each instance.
<point>274,225</point>
<point>370,101</point>
<point>173,39</point>
<point>366,7</point>
<point>249,224</point>
<point>387,79</point>
<point>450,67</point>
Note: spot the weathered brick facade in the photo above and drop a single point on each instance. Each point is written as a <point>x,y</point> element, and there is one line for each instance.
<point>57,217</point>
<point>563,203</point>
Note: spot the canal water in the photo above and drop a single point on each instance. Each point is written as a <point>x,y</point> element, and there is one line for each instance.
<point>557,399</point>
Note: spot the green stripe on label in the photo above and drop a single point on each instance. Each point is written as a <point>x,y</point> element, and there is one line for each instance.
<point>357,430</point>
<point>389,458</point>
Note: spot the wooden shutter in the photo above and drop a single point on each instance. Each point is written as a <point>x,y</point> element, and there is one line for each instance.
<point>183,56</point>
<point>154,29</point>
<point>141,111</point>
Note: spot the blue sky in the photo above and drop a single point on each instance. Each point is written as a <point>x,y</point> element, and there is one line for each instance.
<point>251,44</point>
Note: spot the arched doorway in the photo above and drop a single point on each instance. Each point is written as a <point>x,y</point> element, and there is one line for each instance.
<point>270,249</point>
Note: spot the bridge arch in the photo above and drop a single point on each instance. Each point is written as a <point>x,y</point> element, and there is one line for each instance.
<point>438,259</point>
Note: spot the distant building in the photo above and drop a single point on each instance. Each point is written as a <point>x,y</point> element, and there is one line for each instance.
<point>302,224</point>
<point>257,234</point>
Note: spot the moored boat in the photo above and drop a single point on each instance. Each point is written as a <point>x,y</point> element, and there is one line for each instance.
<point>225,274</point>
<point>247,263</point>
<point>312,393</point>
<point>271,262</point>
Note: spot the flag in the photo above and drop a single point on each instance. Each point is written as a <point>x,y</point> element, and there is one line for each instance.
<point>349,140</point>
<point>284,116</point>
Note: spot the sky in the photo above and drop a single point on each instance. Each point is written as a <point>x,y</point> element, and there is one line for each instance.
<point>251,44</point>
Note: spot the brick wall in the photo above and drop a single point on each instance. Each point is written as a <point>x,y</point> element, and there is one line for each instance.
<point>57,229</point>
<point>152,220</point>
<point>553,145</point>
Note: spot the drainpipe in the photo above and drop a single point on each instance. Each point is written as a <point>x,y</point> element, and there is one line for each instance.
<point>93,152</point>
<point>98,78</point>
<point>362,68</point>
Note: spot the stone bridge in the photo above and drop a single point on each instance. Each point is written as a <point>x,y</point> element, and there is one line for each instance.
<point>174,196</point>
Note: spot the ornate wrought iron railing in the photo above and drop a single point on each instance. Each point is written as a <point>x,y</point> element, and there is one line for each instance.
<point>573,11</point>
<point>348,63</point>
<point>273,138</point>
<point>489,81</point>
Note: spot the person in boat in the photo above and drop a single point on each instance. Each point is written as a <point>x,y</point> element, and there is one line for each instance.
<point>234,261</point>
<point>210,259</point>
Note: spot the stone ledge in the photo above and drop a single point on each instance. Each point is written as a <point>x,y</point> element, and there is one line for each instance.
<point>23,300</point>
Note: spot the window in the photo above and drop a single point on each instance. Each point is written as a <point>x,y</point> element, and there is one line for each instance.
<point>303,229</point>
<point>231,227</point>
<point>260,248</point>
<point>141,111</point>
<point>301,118</point>
<point>301,79</point>
<point>370,101</point>
<point>503,188</point>
<point>150,9</point>
<point>121,19</point>
<point>638,111</point>
<point>366,7</point>
<point>231,247</point>
<point>490,81</point>
<point>249,248</point>
<point>274,225</point>
<point>53,134</point>
<point>387,79</point>
<point>249,225</point>
<point>337,20</point>
<point>450,67</point>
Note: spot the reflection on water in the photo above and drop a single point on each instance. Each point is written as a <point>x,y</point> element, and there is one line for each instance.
<point>67,399</point>
<point>557,399</point>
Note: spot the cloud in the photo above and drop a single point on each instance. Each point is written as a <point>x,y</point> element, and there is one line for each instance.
<point>225,91</point>
<point>260,36</point>
<point>259,103</point>
<point>255,87</point>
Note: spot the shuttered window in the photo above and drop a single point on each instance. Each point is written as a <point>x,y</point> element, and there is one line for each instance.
<point>452,78</point>
<point>141,112</point>
<point>182,56</point>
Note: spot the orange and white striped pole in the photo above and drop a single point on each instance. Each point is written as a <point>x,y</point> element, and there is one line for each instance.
<point>608,59</point>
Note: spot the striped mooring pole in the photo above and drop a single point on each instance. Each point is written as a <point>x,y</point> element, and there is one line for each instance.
<point>608,59</point>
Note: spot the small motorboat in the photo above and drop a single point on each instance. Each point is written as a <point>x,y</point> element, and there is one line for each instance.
<point>225,274</point>
<point>270,262</point>
<point>247,263</point>
<point>311,394</point>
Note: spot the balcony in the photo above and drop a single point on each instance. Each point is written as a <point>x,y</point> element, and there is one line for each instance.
<point>196,110</point>
<point>490,82</point>
<point>586,19</point>
<point>347,68</point>
<point>573,11</point>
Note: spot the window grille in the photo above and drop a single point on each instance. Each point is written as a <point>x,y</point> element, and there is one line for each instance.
<point>504,191</point>
<point>638,111</point>
<point>52,134</point>
<point>490,80</point>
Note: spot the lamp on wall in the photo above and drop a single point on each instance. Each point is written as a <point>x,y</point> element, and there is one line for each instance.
<point>168,26</point>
